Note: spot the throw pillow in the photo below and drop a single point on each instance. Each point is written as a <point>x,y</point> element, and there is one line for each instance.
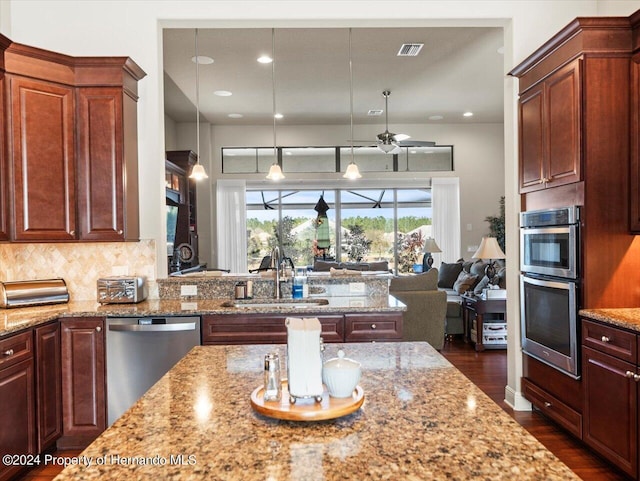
<point>464,282</point>
<point>426,281</point>
<point>481,285</point>
<point>448,274</point>
<point>478,267</point>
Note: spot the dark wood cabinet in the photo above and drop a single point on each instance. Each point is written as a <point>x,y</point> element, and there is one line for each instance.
<point>271,328</point>
<point>17,392</point>
<point>634,214</point>
<point>367,327</point>
<point>48,384</point>
<point>550,130</point>
<point>107,166</point>
<point>71,140</point>
<point>84,410</point>
<point>41,141</point>
<point>262,328</point>
<point>610,381</point>
<point>611,409</point>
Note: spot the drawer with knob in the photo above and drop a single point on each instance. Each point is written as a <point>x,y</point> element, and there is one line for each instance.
<point>610,340</point>
<point>16,348</point>
<point>373,327</point>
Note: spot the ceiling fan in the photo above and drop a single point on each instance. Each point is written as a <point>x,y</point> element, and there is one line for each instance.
<point>389,142</point>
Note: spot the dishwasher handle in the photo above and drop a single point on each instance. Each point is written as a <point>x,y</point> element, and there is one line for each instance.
<point>182,326</point>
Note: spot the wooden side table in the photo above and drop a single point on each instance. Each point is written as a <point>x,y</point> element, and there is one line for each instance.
<point>475,309</point>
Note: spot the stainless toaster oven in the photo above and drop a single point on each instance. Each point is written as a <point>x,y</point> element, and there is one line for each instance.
<point>122,289</point>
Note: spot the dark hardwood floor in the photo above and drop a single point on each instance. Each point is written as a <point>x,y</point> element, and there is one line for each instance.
<point>488,370</point>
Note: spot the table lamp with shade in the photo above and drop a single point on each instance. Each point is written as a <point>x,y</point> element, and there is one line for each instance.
<point>430,247</point>
<point>489,250</point>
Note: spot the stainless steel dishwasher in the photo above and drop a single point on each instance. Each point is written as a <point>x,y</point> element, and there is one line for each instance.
<point>140,350</point>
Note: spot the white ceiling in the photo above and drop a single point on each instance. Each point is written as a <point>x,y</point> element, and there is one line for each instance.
<point>457,70</point>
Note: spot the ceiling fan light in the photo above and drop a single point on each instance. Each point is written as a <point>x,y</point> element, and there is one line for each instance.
<point>275,172</point>
<point>387,148</point>
<point>401,137</point>
<point>198,173</point>
<point>352,172</point>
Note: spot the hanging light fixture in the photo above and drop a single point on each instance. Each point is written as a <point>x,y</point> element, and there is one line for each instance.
<point>352,171</point>
<point>197,171</point>
<point>275,172</point>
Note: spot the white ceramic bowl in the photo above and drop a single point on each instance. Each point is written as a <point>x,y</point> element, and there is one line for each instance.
<point>341,376</point>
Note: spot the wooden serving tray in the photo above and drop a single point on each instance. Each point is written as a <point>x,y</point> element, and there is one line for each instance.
<point>306,409</point>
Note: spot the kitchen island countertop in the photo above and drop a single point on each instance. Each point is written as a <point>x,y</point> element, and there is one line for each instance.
<point>14,320</point>
<point>422,419</point>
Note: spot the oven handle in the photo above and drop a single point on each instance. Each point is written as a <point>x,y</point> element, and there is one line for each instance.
<point>547,283</point>
<point>183,326</point>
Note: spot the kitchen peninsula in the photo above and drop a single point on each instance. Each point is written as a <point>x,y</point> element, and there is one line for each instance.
<point>422,419</point>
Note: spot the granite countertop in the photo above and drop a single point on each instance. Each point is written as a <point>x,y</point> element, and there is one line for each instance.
<point>421,419</point>
<point>627,318</point>
<point>13,320</point>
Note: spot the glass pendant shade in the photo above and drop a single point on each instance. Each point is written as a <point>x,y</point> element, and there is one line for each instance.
<point>275,172</point>
<point>352,172</point>
<point>198,173</point>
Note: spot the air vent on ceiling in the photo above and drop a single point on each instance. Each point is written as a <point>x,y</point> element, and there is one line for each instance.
<point>410,49</point>
<point>375,112</point>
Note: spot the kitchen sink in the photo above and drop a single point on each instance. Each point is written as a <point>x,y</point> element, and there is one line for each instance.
<point>275,303</point>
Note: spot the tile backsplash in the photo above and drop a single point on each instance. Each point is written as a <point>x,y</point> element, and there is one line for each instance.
<point>80,264</point>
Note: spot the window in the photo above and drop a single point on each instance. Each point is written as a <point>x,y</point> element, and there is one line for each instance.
<point>253,160</point>
<point>365,225</point>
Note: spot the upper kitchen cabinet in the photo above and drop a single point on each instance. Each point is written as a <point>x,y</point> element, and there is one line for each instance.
<point>574,93</point>
<point>42,158</point>
<point>634,214</point>
<point>549,135</point>
<point>71,150</point>
<point>108,151</point>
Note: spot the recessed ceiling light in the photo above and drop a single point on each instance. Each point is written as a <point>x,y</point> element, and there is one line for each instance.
<point>222,93</point>
<point>265,59</point>
<point>288,153</point>
<point>235,116</point>
<point>278,116</point>
<point>436,117</point>
<point>468,114</point>
<point>202,60</point>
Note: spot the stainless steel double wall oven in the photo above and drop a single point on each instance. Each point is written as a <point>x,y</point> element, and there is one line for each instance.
<point>549,286</point>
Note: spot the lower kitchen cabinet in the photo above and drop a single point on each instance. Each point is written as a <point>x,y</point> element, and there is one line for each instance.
<point>48,384</point>
<point>271,328</point>
<point>262,328</point>
<point>373,327</point>
<point>84,410</point>
<point>610,380</point>
<point>17,392</point>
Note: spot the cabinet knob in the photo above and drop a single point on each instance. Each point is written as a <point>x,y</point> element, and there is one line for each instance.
<point>73,232</point>
<point>605,339</point>
<point>629,374</point>
<point>119,231</point>
<point>8,352</point>
<point>547,404</point>
<point>636,377</point>
<point>373,326</point>
<point>99,328</point>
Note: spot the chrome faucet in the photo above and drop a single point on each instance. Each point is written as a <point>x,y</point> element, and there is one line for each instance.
<point>276,262</point>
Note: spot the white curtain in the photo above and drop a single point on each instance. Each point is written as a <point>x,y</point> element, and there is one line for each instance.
<point>231,225</point>
<point>445,201</point>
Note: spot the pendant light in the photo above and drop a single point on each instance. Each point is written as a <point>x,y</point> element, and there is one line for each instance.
<point>198,172</point>
<point>275,172</point>
<point>352,171</point>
